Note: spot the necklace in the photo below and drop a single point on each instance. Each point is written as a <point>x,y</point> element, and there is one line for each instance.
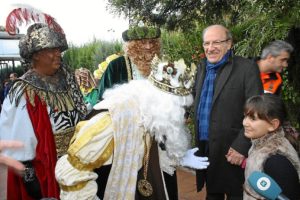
<point>144,186</point>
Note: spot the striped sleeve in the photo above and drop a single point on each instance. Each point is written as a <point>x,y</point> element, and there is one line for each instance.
<point>90,148</point>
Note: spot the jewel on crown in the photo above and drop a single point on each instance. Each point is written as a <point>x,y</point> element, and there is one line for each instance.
<point>173,77</point>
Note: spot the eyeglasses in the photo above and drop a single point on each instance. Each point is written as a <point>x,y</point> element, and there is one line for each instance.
<point>217,43</point>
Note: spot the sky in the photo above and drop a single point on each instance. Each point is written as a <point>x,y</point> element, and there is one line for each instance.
<point>82,21</point>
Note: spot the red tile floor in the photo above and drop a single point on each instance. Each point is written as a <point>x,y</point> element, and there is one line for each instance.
<point>186,181</point>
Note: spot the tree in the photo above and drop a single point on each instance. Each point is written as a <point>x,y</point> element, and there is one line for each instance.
<point>176,14</point>
<point>91,54</point>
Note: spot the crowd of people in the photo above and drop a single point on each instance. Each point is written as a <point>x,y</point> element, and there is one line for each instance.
<point>122,134</point>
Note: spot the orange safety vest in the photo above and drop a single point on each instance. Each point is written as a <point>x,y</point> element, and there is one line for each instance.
<point>271,82</point>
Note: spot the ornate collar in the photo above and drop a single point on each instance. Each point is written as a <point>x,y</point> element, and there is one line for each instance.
<point>56,83</point>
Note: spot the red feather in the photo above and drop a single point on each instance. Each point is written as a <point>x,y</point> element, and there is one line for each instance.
<point>27,15</point>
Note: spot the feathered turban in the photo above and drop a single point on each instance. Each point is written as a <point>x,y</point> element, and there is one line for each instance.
<point>46,33</point>
<point>40,36</point>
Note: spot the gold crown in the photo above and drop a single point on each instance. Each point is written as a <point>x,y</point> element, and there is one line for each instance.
<point>173,77</point>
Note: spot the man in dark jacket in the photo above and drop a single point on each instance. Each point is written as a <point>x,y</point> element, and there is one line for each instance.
<point>223,83</point>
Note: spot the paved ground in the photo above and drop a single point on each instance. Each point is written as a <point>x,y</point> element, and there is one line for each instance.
<point>187,186</point>
<point>2,182</point>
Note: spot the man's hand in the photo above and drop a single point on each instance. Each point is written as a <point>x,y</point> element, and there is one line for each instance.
<point>234,157</point>
<point>192,161</point>
<point>4,160</point>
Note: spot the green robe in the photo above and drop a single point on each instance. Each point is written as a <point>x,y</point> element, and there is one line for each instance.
<point>91,98</point>
<point>118,71</point>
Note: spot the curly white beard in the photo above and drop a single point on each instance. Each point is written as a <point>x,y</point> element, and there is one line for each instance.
<point>163,116</point>
<point>165,120</point>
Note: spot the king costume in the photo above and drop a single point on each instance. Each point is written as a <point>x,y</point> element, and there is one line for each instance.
<point>129,134</point>
<point>41,111</point>
<point>123,68</point>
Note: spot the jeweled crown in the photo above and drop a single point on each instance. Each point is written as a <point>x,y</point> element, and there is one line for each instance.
<point>173,77</point>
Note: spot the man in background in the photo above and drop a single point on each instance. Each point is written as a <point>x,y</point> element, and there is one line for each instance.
<point>9,83</point>
<point>13,76</point>
<point>274,58</point>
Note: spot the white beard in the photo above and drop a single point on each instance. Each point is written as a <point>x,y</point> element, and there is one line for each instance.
<point>162,116</point>
<point>177,141</point>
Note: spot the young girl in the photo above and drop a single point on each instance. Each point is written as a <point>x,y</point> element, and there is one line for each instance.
<point>271,152</point>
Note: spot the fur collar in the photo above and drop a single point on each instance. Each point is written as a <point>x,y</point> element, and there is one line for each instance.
<point>264,147</point>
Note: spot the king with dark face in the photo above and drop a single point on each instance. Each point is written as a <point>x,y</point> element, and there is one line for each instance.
<point>42,108</point>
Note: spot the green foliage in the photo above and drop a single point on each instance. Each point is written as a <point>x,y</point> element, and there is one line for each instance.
<point>144,32</point>
<point>177,14</point>
<point>264,21</point>
<point>186,45</point>
<point>91,54</point>
<point>291,96</point>
<point>168,13</point>
<point>261,22</point>
<point>254,23</point>
<point>175,46</point>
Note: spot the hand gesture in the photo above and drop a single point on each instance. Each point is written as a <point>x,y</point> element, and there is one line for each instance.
<point>234,157</point>
<point>193,161</point>
<point>4,160</point>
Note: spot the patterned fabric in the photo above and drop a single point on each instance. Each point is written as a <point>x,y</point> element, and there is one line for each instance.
<point>51,89</point>
<point>87,86</point>
<point>85,80</point>
<point>40,36</point>
<point>60,91</point>
<point>206,97</point>
<point>63,120</point>
<point>128,151</point>
<point>91,147</point>
<point>75,92</point>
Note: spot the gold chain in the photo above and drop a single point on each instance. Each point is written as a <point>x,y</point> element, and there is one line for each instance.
<point>144,187</point>
<point>146,155</point>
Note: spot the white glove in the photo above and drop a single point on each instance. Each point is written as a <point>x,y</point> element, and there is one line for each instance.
<point>192,161</point>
